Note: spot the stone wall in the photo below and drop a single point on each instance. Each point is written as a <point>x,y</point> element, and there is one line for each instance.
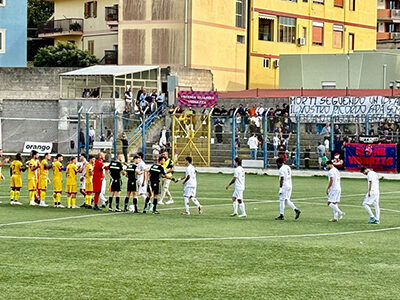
<point>30,83</point>
<point>198,80</point>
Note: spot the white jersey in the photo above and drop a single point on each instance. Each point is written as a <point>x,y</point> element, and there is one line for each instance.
<point>240,178</point>
<point>84,165</point>
<point>141,167</point>
<point>286,173</point>
<point>374,179</point>
<point>191,172</point>
<point>335,175</point>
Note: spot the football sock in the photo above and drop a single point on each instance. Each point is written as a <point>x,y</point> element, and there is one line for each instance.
<point>59,198</point>
<point>11,195</point>
<point>291,204</point>
<point>186,200</point>
<point>369,211</point>
<point>110,199</point>
<point>377,211</point>
<point>147,200</point>
<point>338,209</point>
<point>242,207</point>
<point>196,202</point>
<point>55,198</point>
<point>126,202</point>
<point>335,210</point>
<point>42,195</point>
<point>31,195</point>
<point>16,195</point>
<point>117,202</point>
<point>155,201</point>
<point>282,207</point>
<point>68,201</point>
<point>96,198</point>
<point>235,207</point>
<point>135,201</point>
<point>73,201</point>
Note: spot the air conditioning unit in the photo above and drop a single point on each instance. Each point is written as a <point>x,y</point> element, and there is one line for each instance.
<point>395,35</point>
<point>301,41</point>
<point>276,63</point>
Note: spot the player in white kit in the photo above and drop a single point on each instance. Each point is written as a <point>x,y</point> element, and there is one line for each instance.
<point>190,183</point>
<point>285,190</point>
<point>82,164</point>
<point>372,197</point>
<point>239,179</point>
<point>334,191</point>
<point>141,179</point>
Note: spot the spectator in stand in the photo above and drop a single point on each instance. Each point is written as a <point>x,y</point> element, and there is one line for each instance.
<point>109,134</point>
<point>307,157</point>
<point>337,130</point>
<point>179,109</point>
<point>231,111</point>
<point>285,108</point>
<point>156,150</point>
<point>160,99</point>
<point>277,112</point>
<point>216,114</point>
<point>126,114</point>
<point>246,120</point>
<point>252,111</point>
<point>224,114</point>
<point>148,98</point>
<point>321,153</point>
<point>282,153</point>
<point>271,119</point>
<point>326,130</point>
<point>326,144</point>
<point>286,134</point>
<point>293,156</point>
<point>137,112</point>
<point>237,139</point>
<point>128,96</point>
<point>218,130</point>
<point>164,137</point>
<point>260,110</point>
<point>153,105</point>
<point>125,145</point>
<point>92,136</point>
<point>253,145</point>
<point>142,95</point>
<point>143,104</point>
<point>257,123</point>
<point>139,93</point>
<point>276,142</point>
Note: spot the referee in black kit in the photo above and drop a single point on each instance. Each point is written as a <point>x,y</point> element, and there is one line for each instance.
<point>114,171</point>
<point>153,188</point>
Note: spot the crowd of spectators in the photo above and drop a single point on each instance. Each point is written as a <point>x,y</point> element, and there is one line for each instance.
<point>91,93</point>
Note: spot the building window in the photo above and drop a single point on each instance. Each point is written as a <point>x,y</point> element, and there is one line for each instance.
<point>90,9</point>
<point>287,30</point>
<point>266,28</point>
<point>319,1</point>
<point>2,41</point>
<point>318,33</point>
<point>90,46</point>
<point>352,5</point>
<point>2,2</point>
<point>337,36</point>
<point>351,41</point>
<point>305,33</point>
<point>338,3</point>
<point>240,39</point>
<point>266,63</point>
<point>240,13</point>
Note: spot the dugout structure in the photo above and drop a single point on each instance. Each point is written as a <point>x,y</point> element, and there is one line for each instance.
<point>191,136</point>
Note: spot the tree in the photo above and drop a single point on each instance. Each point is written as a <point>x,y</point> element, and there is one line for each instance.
<point>39,12</point>
<point>64,55</point>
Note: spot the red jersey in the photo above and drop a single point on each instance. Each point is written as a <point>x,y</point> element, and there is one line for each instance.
<point>98,175</point>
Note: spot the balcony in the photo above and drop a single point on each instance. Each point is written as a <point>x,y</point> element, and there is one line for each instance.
<point>381,36</point>
<point>111,16</point>
<point>63,27</point>
<point>389,15</point>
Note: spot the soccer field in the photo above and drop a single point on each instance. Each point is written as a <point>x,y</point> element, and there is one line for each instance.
<point>82,254</point>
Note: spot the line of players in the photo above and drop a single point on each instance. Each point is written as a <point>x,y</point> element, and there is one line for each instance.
<point>142,181</point>
<point>146,183</point>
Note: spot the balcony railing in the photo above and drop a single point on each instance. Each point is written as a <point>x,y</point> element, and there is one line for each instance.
<point>72,26</point>
<point>112,14</point>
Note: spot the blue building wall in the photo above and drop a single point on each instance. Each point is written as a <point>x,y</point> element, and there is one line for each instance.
<point>13,18</point>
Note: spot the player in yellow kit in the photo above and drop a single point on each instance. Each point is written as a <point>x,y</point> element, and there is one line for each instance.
<point>89,182</point>
<point>32,179</point>
<point>16,168</point>
<point>71,188</point>
<point>45,166</point>
<point>57,181</point>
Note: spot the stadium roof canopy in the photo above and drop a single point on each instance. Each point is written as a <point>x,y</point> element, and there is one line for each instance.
<point>108,81</point>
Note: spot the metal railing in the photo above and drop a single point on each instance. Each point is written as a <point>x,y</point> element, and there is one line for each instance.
<point>72,25</point>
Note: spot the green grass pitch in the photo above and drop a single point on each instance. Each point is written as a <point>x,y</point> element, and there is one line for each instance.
<point>171,256</point>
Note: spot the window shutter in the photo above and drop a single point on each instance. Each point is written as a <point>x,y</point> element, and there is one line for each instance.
<point>338,3</point>
<point>317,34</point>
<point>86,9</point>
<point>95,9</point>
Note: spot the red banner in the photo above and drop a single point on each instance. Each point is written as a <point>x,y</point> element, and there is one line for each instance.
<point>197,99</point>
<point>379,157</point>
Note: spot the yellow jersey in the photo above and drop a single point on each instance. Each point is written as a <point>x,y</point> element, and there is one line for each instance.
<point>72,170</point>
<point>16,167</point>
<point>57,170</point>
<point>168,164</point>
<point>44,172</point>
<point>32,164</point>
<point>89,172</point>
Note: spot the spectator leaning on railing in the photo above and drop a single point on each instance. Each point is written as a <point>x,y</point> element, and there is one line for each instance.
<point>253,145</point>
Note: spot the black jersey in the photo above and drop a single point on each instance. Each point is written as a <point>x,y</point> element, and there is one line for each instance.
<point>115,169</point>
<point>131,172</point>
<point>155,172</point>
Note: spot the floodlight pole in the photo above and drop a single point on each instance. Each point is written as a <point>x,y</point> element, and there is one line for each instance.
<point>87,129</point>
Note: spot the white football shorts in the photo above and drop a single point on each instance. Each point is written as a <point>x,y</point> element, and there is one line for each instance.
<point>334,196</point>
<point>373,199</point>
<point>189,192</point>
<point>238,194</point>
